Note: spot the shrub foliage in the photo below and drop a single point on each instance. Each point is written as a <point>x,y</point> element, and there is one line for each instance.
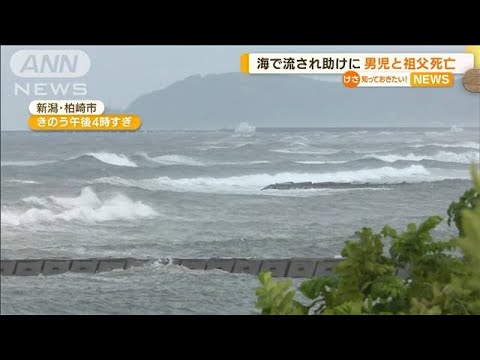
<point>417,275</point>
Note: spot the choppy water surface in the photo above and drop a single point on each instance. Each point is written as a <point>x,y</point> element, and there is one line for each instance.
<point>197,194</point>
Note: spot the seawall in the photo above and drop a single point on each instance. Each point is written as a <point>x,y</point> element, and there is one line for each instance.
<point>295,267</point>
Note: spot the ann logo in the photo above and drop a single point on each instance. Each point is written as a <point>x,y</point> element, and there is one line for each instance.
<point>50,63</point>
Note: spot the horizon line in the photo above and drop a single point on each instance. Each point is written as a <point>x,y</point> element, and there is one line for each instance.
<point>266,128</point>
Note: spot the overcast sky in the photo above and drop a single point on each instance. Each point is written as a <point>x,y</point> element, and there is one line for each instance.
<point>119,74</point>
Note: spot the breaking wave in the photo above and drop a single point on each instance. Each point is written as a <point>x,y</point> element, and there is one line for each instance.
<point>87,207</point>
<point>443,156</point>
<point>173,160</point>
<point>322,162</point>
<point>107,158</point>
<point>16,181</point>
<point>113,159</point>
<point>306,152</point>
<point>27,163</point>
<point>468,144</point>
<point>254,182</point>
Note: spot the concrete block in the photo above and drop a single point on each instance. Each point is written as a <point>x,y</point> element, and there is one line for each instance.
<point>284,186</point>
<point>325,266</point>
<point>29,267</point>
<point>247,266</point>
<point>53,267</point>
<point>301,268</point>
<point>84,266</point>
<point>112,264</point>
<point>194,264</point>
<point>221,264</point>
<point>7,267</point>
<point>278,268</point>
<point>136,262</point>
<point>304,185</point>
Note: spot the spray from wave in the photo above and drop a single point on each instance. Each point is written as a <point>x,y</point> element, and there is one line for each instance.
<point>245,128</point>
<point>87,207</point>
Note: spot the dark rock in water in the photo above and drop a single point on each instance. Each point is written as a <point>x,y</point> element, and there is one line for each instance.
<point>304,185</point>
<point>284,186</point>
<point>280,186</point>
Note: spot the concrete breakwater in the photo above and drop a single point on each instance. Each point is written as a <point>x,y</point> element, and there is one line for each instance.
<point>295,267</point>
<point>324,185</point>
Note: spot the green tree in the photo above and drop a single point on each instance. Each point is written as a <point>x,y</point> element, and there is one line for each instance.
<point>469,200</point>
<point>442,277</point>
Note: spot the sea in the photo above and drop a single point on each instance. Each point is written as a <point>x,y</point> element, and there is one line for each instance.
<point>198,194</point>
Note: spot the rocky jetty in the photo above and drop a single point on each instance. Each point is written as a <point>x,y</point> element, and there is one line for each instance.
<point>322,185</point>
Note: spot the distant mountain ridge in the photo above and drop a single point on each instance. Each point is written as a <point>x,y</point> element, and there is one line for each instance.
<point>223,101</point>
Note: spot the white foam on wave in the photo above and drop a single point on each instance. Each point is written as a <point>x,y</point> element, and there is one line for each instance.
<point>321,162</point>
<point>251,184</point>
<point>455,128</point>
<point>17,181</point>
<point>257,162</point>
<point>306,152</point>
<point>188,161</point>
<point>87,207</point>
<point>212,147</point>
<point>173,160</point>
<point>468,144</point>
<point>27,163</point>
<point>113,159</point>
<point>35,200</point>
<point>443,156</point>
<point>108,158</point>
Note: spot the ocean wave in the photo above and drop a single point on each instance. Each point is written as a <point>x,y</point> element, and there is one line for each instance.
<point>173,160</point>
<point>27,163</point>
<point>111,158</point>
<point>188,161</point>
<point>443,156</point>
<point>212,147</point>
<point>107,158</point>
<point>468,144</point>
<point>254,182</point>
<point>17,181</point>
<point>243,146</point>
<point>87,207</point>
<point>322,162</point>
<point>306,152</point>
